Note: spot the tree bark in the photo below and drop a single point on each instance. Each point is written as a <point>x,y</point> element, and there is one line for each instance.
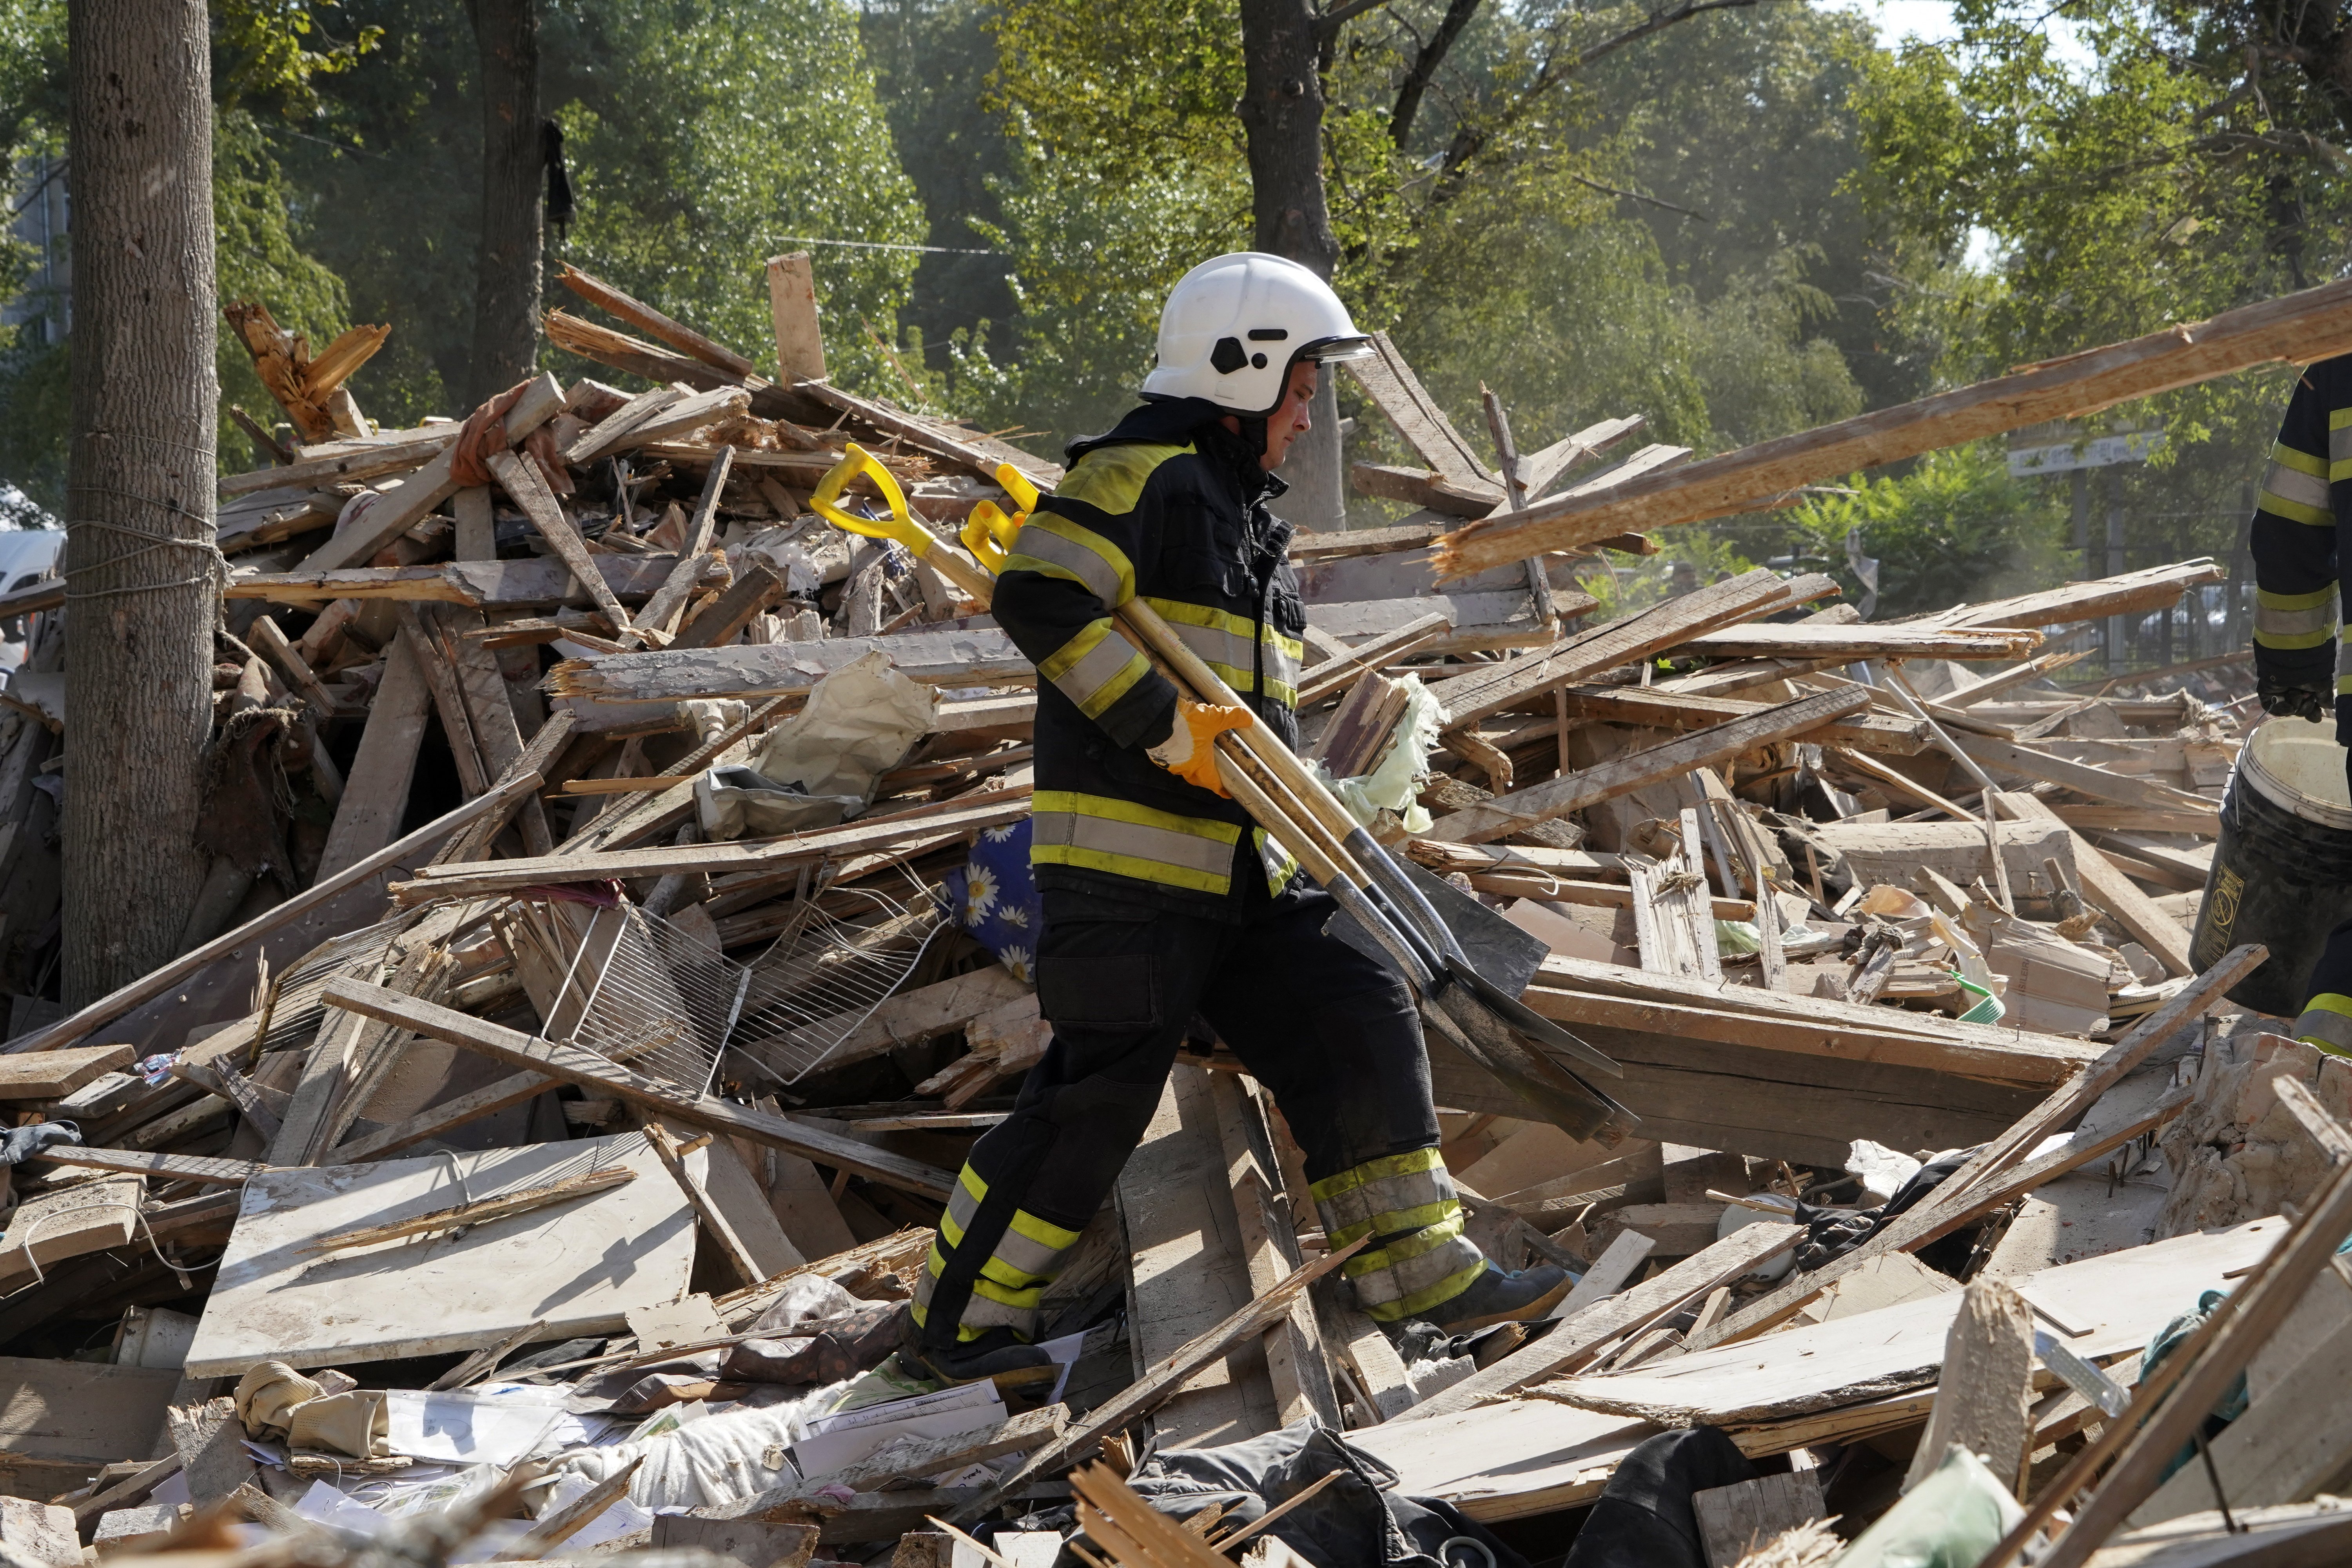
<point>507,266</point>
<point>1282,113</point>
<point>142,577</point>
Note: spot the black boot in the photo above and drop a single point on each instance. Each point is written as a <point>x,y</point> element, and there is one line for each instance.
<point>999,1355</point>
<point>1495,1296</point>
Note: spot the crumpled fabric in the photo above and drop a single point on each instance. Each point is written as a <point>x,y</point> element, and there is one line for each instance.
<point>266,1394</point>
<point>1832,1233</point>
<point>273,1400</point>
<point>485,435</point>
<point>717,1460</point>
<point>1394,784</point>
<point>733,800</point>
<point>993,897</point>
<point>858,724</point>
<point>1951,1520</point>
<point>1644,1518</point>
<point>821,765</point>
<point>2170,1337</point>
<point>841,1352</point>
<point>1357,1520</point>
<point>18,1144</point>
<point>810,1298</point>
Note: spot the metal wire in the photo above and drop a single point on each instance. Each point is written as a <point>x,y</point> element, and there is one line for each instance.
<point>824,977</point>
<point>294,1009</point>
<point>637,989</point>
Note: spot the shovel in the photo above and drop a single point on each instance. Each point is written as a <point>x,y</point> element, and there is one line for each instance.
<point>1466,964</point>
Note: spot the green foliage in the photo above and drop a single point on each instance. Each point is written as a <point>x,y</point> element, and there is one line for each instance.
<point>703,136</point>
<point>1954,527</point>
<point>267,52</point>
<point>1688,558</point>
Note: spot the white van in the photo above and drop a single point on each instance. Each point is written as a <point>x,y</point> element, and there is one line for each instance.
<point>27,555</point>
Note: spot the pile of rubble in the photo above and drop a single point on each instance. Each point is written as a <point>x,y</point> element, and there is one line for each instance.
<point>619,927</point>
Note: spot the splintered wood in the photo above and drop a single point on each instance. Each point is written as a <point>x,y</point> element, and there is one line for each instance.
<point>582,1015</point>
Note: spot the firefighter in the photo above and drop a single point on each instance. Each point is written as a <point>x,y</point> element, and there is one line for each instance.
<point>2302,668</point>
<point>1161,900</point>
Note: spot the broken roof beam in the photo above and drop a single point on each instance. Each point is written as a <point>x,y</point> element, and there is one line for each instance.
<point>1707,748</point>
<point>983,657</point>
<point>2299,328</point>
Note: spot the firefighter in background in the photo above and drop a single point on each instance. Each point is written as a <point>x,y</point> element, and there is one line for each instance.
<point>1161,899</point>
<point>2302,667</point>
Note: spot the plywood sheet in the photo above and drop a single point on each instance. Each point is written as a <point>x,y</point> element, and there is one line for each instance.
<point>579,1265</point>
<point>61,1418</point>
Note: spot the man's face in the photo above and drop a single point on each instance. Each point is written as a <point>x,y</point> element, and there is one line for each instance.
<point>1289,422</point>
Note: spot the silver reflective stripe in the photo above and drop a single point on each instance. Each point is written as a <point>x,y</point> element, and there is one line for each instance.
<point>1027,1254</point>
<point>2339,445</point>
<point>2295,485</point>
<point>2321,1023</point>
<point>1215,644</point>
<point>1040,544</point>
<point>1380,1287</point>
<point>2344,657</point>
<point>981,1313</point>
<point>2293,622</point>
<point>1281,669</point>
<point>1134,840</point>
<point>1389,1194</point>
<point>1096,672</point>
<point>961,1207</point>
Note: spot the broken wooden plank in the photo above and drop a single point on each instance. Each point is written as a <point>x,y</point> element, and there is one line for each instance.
<point>1994,1174</point>
<point>205,1168</point>
<point>1320,680</point>
<point>483,585</point>
<point>1398,393</point>
<point>1581,1334</point>
<point>1705,747</point>
<point>53,1075</point>
<point>2124,789</point>
<point>989,809</point>
<point>115,1004</point>
<point>1148,1391</point>
<point>2300,327</point>
<point>1652,707</point>
<point>1482,692</point>
<point>372,461</point>
<point>571,1065</point>
<point>661,611</point>
<point>755,588</point>
<point>1843,643</point>
<point>482,1211</point>
<point>401,508</point>
<point>2110,890</point>
<point>1984,1394</point>
<point>521,479</point>
<point>714,1223</point>
<point>984,657</point>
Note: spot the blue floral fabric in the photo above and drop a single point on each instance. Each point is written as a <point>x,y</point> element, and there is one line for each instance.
<point>995,898</point>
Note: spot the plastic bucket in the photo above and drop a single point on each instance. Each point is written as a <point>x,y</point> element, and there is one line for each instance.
<point>2282,871</point>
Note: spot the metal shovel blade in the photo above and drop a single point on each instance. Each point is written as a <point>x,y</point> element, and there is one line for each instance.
<point>1503,959</point>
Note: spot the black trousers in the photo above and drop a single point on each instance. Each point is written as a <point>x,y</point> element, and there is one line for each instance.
<point>1332,1032</point>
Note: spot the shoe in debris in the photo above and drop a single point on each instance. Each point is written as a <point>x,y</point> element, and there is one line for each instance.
<point>1495,1296</point>
<point>997,1355</point>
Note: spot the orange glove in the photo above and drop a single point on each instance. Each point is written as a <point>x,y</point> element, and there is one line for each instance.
<point>1189,752</point>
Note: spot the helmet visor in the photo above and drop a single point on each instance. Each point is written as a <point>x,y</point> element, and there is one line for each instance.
<point>1330,350</point>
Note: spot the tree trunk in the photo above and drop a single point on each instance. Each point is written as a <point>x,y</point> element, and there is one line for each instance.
<point>142,573</point>
<point>507,268</point>
<point>1282,111</point>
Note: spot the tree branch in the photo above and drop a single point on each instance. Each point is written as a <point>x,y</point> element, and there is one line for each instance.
<point>1469,142</point>
<point>1636,196</point>
<point>1425,66</point>
<point>1331,21</point>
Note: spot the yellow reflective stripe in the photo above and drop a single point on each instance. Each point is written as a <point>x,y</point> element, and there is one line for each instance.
<point>1095,669</point>
<point>1043,1232</point>
<point>1111,478</point>
<point>1098,833</point>
<point>1387,1166</point>
<point>1415,1303</point>
<point>2265,599</point>
<point>2330,1002</point>
<point>1059,548</point>
<point>2301,462</point>
<point>1280,864</point>
<point>1026,1299</point>
<point>2326,1022</point>
<point>1393,1221</point>
<point>1228,644</point>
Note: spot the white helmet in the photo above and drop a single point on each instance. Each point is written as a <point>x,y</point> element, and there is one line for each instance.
<point>1234,325</point>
